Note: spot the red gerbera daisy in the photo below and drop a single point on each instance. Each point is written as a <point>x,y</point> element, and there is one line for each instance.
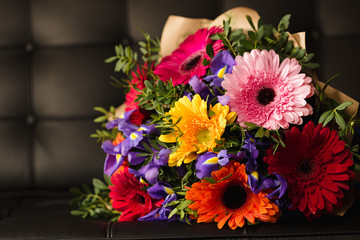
<point>128,197</point>
<point>136,84</point>
<point>316,165</point>
<point>187,60</point>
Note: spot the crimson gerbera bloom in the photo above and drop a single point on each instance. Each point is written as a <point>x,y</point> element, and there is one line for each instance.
<point>187,61</point>
<point>315,163</point>
<point>136,85</point>
<point>128,197</point>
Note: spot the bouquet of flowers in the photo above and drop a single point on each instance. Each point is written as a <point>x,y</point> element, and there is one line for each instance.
<point>230,125</point>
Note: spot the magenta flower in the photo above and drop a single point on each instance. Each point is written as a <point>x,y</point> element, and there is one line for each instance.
<point>187,61</point>
<point>266,92</point>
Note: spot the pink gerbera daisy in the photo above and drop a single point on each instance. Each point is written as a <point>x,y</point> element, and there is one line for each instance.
<point>187,60</point>
<point>267,93</point>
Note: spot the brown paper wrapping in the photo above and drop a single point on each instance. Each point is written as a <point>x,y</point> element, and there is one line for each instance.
<point>177,28</point>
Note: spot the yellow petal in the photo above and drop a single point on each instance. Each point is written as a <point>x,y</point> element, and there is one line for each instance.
<point>168,138</point>
<point>230,118</point>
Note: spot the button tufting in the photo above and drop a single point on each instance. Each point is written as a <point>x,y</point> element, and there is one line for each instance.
<point>29,47</point>
<point>30,119</point>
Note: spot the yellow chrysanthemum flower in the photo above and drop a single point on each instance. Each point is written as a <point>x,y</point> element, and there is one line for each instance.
<point>196,131</point>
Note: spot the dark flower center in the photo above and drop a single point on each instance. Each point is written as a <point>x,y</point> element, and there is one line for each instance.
<point>266,96</point>
<point>139,198</point>
<point>234,197</point>
<point>306,168</point>
<point>191,62</point>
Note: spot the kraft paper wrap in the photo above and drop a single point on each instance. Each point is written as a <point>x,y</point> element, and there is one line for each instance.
<point>177,28</point>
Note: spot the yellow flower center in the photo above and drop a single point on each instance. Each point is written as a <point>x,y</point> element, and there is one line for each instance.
<point>204,136</point>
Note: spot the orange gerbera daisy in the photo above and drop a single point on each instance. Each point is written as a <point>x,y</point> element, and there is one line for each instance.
<point>230,199</point>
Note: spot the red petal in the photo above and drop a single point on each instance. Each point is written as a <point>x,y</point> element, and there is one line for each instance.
<point>329,195</point>
<point>329,185</point>
<point>336,168</point>
<point>340,177</point>
<point>321,203</point>
<point>328,206</point>
<point>313,200</point>
<point>344,185</point>
<point>303,202</point>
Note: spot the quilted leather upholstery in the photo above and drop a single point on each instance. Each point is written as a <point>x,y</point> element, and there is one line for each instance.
<point>52,74</point>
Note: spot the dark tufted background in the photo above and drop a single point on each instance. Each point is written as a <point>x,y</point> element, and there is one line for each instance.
<point>52,74</point>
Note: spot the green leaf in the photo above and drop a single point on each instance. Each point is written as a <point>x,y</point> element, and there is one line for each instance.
<point>77,212</point>
<point>99,184</point>
<point>226,27</point>
<point>343,105</point>
<point>146,146</point>
<point>329,118</point>
<point>174,211</point>
<point>100,109</point>
<point>86,188</point>
<point>284,23</point>
<point>110,59</point>
<point>250,22</point>
<point>229,175</point>
<point>311,65</point>
<point>260,32</point>
<point>288,47</point>
<point>149,85</point>
<point>340,120</point>
<point>325,115</point>
<point>260,133</point>
<point>209,179</point>
<point>118,66</point>
<point>211,113</point>
<point>308,57</point>
<point>252,36</point>
<point>210,50</point>
<point>101,119</point>
<point>184,204</point>
<point>247,44</point>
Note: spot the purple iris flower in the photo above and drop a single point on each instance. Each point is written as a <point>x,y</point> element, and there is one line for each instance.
<point>221,64</point>
<point>251,154</point>
<point>151,170</point>
<point>201,88</point>
<point>206,164</point>
<point>123,117</point>
<point>134,159</point>
<point>115,156</point>
<point>162,214</point>
<point>258,182</point>
<point>280,186</point>
<point>112,163</point>
<point>209,162</point>
<point>160,190</point>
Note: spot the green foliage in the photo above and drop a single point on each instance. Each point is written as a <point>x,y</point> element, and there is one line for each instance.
<point>103,135</point>
<point>94,203</point>
<point>158,97</point>
<point>265,37</point>
<point>181,209</point>
<point>332,112</point>
<point>149,48</point>
<point>125,59</point>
